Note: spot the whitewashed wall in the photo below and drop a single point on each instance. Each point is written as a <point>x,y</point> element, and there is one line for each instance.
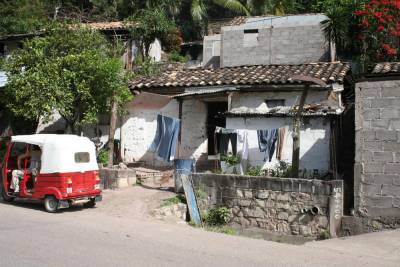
<point>314,136</point>
<point>314,141</point>
<point>138,131</point>
<point>257,100</point>
<point>194,130</point>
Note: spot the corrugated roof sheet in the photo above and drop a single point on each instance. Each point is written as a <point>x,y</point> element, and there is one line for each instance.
<point>243,75</point>
<point>386,67</point>
<point>205,92</point>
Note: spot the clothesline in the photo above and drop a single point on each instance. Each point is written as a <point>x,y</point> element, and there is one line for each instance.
<point>269,140</point>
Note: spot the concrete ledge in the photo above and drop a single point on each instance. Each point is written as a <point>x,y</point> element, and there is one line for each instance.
<point>117,178</point>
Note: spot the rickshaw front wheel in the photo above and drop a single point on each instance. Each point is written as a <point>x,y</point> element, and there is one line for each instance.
<point>51,204</point>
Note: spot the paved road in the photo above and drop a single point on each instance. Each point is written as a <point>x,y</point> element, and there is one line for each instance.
<point>78,237</point>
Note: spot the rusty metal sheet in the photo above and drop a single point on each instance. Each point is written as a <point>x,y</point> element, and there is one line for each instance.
<point>191,199</point>
<point>150,101</point>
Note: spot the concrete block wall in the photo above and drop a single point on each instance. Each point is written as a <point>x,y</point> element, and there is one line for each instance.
<point>282,45</point>
<point>377,162</point>
<point>279,205</point>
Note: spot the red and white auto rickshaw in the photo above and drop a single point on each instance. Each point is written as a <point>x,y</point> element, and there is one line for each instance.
<point>68,171</point>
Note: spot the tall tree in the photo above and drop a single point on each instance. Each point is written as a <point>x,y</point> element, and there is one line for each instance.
<point>67,71</point>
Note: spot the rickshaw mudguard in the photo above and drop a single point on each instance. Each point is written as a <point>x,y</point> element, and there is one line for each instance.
<point>51,191</point>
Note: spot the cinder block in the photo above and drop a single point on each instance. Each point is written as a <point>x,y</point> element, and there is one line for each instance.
<point>373,145</point>
<point>381,202</point>
<point>391,146</point>
<point>383,156</point>
<point>392,168</point>
<point>371,190</point>
<point>391,190</point>
<point>386,135</point>
<point>371,93</point>
<point>386,179</point>
<point>389,113</point>
<point>391,92</point>
<point>373,168</point>
<point>380,123</point>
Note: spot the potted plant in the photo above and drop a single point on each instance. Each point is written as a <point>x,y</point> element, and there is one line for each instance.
<point>231,164</point>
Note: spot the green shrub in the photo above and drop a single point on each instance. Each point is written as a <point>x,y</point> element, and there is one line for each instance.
<point>324,234</point>
<point>102,157</point>
<point>175,56</point>
<point>282,169</point>
<point>231,160</point>
<point>173,200</point>
<point>217,216</point>
<point>255,171</point>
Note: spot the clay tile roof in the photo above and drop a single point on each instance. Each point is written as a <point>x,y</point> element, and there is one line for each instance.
<point>243,75</point>
<point>386,67</point>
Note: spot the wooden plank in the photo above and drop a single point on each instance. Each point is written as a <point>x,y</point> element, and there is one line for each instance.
<point>191,199</point>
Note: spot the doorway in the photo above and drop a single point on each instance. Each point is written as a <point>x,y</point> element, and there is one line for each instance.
<point>215,117</point>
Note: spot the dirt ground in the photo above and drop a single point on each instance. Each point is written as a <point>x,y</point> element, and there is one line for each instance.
<point>138,202</point>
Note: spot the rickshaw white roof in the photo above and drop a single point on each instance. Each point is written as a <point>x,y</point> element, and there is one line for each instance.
<point>47,139</point>
<point>58,152</point>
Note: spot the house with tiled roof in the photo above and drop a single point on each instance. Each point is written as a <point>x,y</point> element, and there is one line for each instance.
<point>259,91</point>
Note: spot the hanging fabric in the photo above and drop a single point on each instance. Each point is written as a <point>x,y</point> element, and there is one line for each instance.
<point>166,138</point>
<point>266,142</point>
<point>243,143</point>
<point>280,143</point>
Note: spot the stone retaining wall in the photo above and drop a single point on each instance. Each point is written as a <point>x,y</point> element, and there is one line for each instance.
<point>282,205</point>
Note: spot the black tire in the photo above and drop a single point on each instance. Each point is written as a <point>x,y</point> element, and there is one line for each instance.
<point>51,204</point>
<point>90,204</point>
<point>4,194</point>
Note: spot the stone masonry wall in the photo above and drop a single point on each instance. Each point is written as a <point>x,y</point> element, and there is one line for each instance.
<point>377,162</point>
<point>280,205</point>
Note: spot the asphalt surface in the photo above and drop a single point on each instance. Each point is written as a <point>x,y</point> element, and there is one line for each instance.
<point>90,237</point>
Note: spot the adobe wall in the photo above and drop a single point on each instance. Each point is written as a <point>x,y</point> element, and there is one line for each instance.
<point>279,205</point>
<point>377,161</point>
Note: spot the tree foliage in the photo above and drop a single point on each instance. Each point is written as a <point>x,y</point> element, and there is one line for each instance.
<point>147,25</point>
<point>68,70</point>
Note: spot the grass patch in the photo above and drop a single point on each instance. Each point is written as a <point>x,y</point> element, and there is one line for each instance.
<point>173,200</point>
<point>221,229</point>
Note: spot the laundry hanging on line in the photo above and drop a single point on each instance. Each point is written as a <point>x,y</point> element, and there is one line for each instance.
<point>166,138</point>
<point>266,142</point>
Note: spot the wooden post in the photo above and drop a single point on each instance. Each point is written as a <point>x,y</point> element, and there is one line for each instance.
<point>296,133</point>
<point>113,124</point>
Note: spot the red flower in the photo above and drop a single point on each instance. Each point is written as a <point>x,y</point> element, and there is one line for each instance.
<point>389,49</point>
<point>365,23</point>
<point>378,14</point>
<point>360,12</point>
<point>380,28</point>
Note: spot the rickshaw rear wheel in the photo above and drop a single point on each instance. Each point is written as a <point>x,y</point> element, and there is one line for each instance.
<point>5,196</point>
<point>90,204</point>
<point>51,204</point>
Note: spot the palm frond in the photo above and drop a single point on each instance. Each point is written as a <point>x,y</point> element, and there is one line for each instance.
<point>233,5</point>
<point>198,10</point>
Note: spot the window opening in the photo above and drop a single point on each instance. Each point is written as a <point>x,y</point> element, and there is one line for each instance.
<point>82,157</point>
<point>273,103</point>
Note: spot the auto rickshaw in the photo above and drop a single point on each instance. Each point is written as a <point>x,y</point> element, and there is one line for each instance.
<point>67,172</point>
